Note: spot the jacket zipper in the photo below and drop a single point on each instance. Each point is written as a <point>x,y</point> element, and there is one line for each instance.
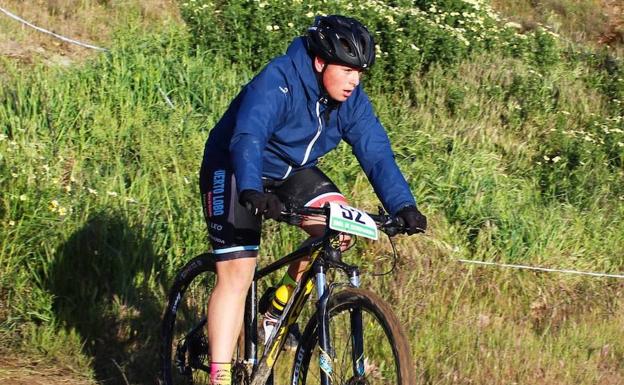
<point>306,156</point>
<point>318,133</point>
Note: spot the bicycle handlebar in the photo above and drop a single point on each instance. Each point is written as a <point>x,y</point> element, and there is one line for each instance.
<point>389,224</point>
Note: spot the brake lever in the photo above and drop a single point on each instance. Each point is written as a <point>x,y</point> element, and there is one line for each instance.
<point>394,226</point>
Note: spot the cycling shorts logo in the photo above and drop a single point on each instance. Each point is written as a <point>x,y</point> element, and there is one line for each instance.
<point>216,239</point>
<point>217,197</point>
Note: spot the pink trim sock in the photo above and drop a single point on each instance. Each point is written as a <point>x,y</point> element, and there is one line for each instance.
<point>221,373</point>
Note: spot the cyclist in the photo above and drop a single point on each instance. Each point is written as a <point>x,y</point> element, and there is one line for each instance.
<point>264,151</point>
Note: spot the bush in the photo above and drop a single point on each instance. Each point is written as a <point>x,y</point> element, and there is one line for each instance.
<point>410,37</point>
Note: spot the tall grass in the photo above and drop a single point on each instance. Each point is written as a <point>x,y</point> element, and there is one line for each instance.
<point>514,153</point>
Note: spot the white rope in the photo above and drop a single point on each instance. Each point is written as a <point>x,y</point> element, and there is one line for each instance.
<point>51,33</point>
<point>536,268</point>
<point>167,100</point>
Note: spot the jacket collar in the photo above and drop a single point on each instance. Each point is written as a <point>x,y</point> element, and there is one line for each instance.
<point>298,53</point>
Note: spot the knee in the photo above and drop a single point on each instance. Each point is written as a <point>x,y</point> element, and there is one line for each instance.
<point>235,275</point>
<point>235,285</point>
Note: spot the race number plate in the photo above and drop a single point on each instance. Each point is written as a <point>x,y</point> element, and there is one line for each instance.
<point>351,220</point>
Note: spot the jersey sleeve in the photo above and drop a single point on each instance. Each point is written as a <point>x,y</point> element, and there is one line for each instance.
<point>262,108</point>
<point>371,146</point>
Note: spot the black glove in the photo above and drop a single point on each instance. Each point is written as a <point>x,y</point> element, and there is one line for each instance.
<point>258,203</point>
<point>415,221</point>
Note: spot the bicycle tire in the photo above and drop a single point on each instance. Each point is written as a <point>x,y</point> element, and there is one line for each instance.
<point>388,361</point>
<point>186,307</point>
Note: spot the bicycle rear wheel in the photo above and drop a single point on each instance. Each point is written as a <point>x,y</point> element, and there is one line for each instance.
<point>386,359</point>
<point>185,354</point>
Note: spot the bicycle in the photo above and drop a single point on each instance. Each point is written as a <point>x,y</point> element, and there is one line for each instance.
<point>353,338</point>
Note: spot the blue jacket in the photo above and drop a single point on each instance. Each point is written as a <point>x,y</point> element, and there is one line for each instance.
<point>278,124</point>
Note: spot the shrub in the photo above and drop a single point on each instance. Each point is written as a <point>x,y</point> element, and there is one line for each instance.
<point>410,36</point>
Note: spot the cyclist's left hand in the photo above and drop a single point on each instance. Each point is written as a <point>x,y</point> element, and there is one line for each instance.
<point>415,221</point>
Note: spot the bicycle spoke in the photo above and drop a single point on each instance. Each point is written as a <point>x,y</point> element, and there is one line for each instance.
<point>385,351</point>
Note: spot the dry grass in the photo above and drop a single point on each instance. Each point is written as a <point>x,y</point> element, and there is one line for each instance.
<point>87,21</point>
<point>592,22</point>
<point>19,371</point>
<point>473,325</point>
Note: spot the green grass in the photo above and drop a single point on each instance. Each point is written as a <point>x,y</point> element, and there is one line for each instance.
<point>515,155</point>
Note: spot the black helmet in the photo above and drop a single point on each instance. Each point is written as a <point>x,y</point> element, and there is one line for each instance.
<point>340,39</point>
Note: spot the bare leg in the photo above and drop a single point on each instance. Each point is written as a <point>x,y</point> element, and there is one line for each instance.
<point>314,226</point>
<point>227,303</point>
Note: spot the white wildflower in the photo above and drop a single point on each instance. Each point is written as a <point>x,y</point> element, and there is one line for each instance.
<point>513,25</point>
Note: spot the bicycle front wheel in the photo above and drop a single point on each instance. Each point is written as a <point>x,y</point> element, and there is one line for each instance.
<point>386,358</point>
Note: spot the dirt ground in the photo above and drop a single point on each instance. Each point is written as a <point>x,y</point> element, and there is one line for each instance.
<point>89,22</point>
<point>16,371</point>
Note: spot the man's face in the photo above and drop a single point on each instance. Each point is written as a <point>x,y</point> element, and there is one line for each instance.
<point>339,80</point>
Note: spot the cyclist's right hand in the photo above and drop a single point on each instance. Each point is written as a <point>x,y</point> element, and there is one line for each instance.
<point>259,203</point>
<point>415,221</point>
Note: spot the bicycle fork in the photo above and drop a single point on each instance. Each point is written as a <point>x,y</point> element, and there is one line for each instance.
<point>325,349</point>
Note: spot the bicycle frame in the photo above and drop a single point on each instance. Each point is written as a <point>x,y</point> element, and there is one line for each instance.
<point>322,256</point>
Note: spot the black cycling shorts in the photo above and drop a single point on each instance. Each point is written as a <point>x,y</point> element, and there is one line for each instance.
<point>231,227</point>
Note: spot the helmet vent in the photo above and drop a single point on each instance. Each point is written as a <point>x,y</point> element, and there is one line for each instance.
<point>339,39</point>
<point>346,47</point>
